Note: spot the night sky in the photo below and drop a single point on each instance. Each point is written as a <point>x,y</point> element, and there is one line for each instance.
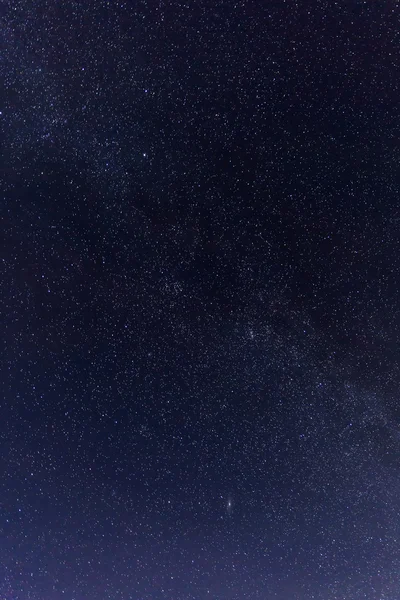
<point>200,320</point>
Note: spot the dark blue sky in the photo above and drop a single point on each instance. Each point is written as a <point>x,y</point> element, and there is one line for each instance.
<point>199,296</point>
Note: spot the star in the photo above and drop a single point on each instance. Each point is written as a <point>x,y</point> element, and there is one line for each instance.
<point>229,505</point>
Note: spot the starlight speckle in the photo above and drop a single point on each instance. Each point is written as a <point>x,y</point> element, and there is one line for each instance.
<point>200,317</point>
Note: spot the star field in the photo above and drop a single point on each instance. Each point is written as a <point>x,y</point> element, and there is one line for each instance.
<point>199,300</point>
